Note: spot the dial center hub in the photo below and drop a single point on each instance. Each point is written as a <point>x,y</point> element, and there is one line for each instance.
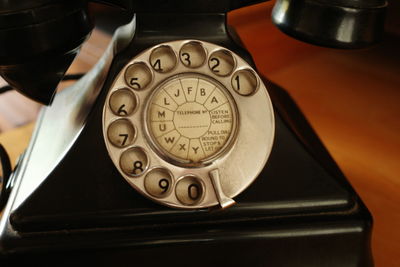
<point>191,118</point>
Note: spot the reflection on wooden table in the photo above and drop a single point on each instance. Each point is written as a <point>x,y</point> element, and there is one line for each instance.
<point>351,98</point>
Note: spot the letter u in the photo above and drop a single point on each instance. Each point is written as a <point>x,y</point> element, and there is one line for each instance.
<point>162,127</point>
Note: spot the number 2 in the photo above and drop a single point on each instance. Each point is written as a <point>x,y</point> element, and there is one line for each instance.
<point>216,64</point>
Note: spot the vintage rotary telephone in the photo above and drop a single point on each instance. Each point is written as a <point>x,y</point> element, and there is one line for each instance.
<point>140,160</point>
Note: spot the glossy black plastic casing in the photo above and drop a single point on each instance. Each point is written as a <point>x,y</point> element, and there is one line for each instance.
<point>300,211</point>
<point>345,24</point>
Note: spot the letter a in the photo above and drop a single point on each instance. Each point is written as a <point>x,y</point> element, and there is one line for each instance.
<point>214,100</point>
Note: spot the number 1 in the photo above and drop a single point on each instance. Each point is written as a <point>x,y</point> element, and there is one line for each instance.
<point>237,82</point>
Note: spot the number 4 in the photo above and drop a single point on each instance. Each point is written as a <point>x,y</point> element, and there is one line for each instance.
<point>157,65</point>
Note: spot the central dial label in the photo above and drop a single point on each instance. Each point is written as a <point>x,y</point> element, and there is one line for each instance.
<point>191,118</point>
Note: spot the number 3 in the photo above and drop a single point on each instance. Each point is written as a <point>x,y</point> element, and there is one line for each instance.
<point>186,58</point>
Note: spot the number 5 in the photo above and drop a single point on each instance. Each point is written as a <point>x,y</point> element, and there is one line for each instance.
<point>134,84</point>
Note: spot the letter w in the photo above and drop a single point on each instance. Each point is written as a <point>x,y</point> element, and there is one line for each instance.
<point>169,139</point>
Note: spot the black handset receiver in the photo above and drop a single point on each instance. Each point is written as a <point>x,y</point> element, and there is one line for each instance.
<point>173,148</point>
<point>39,39</point>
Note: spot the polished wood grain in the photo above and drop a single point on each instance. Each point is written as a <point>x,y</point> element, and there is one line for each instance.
<point>351,99</point>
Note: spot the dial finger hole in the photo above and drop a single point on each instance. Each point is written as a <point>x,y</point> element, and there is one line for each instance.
<point>189,190</point>
<point>244,82</point>
<point>138,76</point>
<point>121,133</point>
<point>123,102</point>
<point>163,59</point>
<point>134,161</point>
<point>158,182</point>
<point>221,63</point>
<point>192,55</point>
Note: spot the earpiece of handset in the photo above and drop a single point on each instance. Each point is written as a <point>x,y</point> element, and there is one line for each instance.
<point>39,39</point>
<point>332,23</point>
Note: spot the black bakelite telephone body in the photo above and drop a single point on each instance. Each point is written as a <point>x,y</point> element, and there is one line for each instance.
<point>173,149</point>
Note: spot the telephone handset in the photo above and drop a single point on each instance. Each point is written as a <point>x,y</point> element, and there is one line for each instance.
<point>179,120</point>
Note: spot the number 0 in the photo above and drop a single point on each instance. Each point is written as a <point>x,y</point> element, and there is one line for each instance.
<point>194,191</point>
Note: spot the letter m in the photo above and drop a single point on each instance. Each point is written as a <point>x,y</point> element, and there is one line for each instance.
<point>161,114</point>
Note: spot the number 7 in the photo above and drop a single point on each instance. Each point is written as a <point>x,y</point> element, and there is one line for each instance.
<point>125,138</point>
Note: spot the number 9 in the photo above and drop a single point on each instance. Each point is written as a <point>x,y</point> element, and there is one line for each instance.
<point>164,185</point>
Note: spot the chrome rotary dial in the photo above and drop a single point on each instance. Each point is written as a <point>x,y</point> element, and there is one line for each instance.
<point>188,124</point>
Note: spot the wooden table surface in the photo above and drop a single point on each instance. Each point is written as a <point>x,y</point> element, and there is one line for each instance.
<point>351,98</point>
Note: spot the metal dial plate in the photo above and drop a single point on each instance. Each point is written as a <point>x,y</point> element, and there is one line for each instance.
<point>188,124</point>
